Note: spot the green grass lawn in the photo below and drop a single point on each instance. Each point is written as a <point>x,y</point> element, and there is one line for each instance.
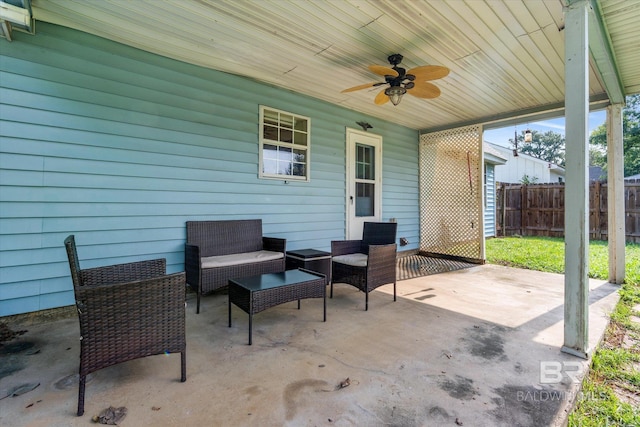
<point>612,376</point>
<point>547,254</point>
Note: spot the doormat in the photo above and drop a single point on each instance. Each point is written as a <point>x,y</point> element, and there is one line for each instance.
<point>413,266</point>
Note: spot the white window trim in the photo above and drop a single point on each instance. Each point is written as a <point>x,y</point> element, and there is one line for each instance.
<point>263,141</point>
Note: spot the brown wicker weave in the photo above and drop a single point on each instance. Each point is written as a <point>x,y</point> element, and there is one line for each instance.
<point>126,311</point>
<point>212,238</point>
<point>381,261</point>
<point>258,293</point>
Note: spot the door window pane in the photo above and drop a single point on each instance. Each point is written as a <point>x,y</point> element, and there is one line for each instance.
<point>365,199</point>
<point>365,158</point>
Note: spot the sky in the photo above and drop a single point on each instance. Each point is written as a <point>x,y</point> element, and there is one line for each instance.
<point>501,136</point>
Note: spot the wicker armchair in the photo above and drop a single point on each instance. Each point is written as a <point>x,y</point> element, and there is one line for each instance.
<point>126,311</point>
<point>367,263</point>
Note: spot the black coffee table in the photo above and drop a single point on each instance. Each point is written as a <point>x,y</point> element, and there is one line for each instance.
<point>257,293</point>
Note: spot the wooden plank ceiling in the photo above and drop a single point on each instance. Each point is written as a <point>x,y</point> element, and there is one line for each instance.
<point>506,57</point>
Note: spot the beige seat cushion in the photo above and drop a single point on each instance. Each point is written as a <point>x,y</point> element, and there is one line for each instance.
<point>356,260</point>
<point>242,258</point>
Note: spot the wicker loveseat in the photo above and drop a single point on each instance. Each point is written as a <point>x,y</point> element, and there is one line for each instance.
<point>217,251</point>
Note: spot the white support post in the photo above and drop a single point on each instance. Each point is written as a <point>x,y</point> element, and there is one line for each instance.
<point>576,219</point>
<point>615,194</point>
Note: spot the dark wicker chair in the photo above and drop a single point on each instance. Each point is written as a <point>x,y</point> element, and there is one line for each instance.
<point>126,311</point>
<point>367,263</point>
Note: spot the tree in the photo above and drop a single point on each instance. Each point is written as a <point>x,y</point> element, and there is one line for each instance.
<point>630,139</point>
<point>526,179</point>
<point>548,146</point>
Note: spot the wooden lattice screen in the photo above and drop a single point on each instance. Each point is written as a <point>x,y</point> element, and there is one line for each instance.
<point>451,193</point>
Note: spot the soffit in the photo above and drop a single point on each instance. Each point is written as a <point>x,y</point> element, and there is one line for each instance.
<point>622,21</point>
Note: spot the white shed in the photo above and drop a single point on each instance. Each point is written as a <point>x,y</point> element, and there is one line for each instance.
<point>518,166</point>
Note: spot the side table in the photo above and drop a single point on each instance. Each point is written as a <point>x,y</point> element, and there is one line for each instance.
<point>310,259</point>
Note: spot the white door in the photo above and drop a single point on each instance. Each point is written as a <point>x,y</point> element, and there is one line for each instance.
<point>364,180</point>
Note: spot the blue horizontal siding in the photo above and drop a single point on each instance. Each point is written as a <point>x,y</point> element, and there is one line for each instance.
<point>121,147</point>
<point>490,202</point>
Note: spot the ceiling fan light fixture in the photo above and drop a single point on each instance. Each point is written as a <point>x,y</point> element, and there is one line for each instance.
<point>395,94</point>
<point>415,81</point>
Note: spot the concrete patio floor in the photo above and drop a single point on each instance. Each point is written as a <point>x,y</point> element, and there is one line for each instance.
<point>458,348</point>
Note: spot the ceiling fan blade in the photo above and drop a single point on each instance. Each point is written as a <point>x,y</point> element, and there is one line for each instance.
<point>424,90</point>
<point>429,72</point>
<point>383,71</point>
<point>360,87</point>
<point>381,98</point>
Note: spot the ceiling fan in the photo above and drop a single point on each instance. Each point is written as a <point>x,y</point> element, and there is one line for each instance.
<point>400,81</point>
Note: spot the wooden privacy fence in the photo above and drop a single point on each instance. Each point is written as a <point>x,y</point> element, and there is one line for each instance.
<point>538,210</point>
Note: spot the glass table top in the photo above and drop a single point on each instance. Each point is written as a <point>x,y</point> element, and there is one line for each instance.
<point>274,280</point>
